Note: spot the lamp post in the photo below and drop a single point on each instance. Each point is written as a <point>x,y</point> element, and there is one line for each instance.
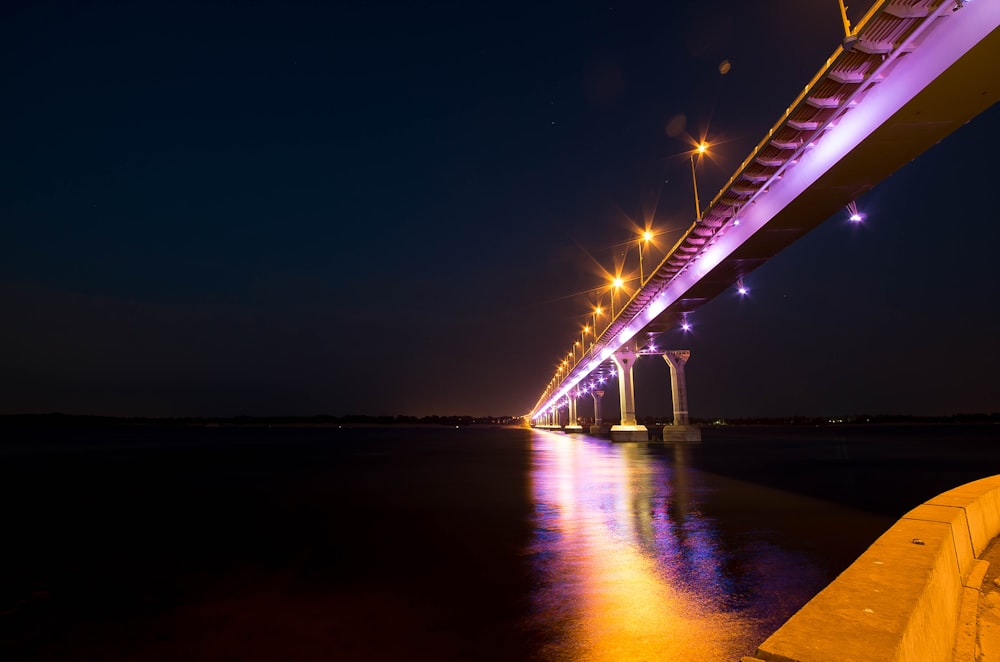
<point>576,361</point>
<point>583,342</point>
<point>616,284</point>
<point>597,311</point>
<point>643,240</point>
<point>699,150</point>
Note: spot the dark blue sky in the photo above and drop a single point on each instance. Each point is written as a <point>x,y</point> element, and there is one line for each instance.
<point>301,208</point>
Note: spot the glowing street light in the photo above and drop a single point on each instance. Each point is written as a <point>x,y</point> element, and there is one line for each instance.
<point>583,335</point>
<point>644,239</point>
<point>699,150</point>
<point>597,311</point>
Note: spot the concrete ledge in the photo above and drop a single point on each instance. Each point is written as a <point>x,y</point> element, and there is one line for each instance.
<point>573,428</point>
<point>981,502</point>
<point>911,596</point>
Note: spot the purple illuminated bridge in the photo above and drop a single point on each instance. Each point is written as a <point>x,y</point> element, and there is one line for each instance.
<point>908,74</point>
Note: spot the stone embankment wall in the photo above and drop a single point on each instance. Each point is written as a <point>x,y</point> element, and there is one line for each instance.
<point>913,595</point>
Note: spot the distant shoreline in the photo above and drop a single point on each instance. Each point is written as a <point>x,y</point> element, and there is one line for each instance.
<point>80,420</point>
<point>361,420</point>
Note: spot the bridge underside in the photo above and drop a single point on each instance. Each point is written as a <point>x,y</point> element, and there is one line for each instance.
<point>962,92</point>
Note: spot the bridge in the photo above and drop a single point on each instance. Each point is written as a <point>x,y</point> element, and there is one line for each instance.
<point>908,74</point>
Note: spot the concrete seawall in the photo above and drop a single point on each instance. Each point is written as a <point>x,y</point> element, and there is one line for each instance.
<point>912,595</point>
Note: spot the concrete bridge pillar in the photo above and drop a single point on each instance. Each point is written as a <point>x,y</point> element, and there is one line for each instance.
<point>624,359</point>
<point>598,427</point>
<point>573,426</point>
<point>682,430</point>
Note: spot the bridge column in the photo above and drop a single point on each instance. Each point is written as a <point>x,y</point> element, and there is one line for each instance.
<point>598,427</point>
<point>681,430</point>
<point>624,359</point>
<point>573,426</point>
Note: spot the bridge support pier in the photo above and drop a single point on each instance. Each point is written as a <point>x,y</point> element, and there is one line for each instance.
<point>573,425</point>
<point>681,430</point>
<point>598,427</point>
<point>624,359</point>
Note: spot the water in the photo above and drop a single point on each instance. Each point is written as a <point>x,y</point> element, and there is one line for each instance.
<point>439,543</point>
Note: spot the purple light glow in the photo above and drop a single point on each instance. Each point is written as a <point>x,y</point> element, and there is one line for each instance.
<point>855,217</point>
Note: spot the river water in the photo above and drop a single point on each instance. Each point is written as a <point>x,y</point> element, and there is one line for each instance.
<point>257,543</point>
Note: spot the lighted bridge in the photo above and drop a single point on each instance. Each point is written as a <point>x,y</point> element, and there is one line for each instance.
<point>908,74</point>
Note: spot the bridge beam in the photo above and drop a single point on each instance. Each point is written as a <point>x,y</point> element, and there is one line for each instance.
<point>681,430</point>
<point>624,360</point>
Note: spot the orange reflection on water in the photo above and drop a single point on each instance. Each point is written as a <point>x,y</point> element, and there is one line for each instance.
<point>625,569</point>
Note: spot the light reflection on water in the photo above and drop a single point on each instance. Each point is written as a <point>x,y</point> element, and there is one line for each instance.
<point>628,566</point>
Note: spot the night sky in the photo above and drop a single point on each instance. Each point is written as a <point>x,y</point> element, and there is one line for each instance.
<point>297,208</point>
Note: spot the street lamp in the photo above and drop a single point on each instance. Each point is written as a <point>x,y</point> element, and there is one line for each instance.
<point>643,240</point>
<point>576,343</point>
<point>597,311</point>
<point>699,150</point>
<point>583,335</point>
